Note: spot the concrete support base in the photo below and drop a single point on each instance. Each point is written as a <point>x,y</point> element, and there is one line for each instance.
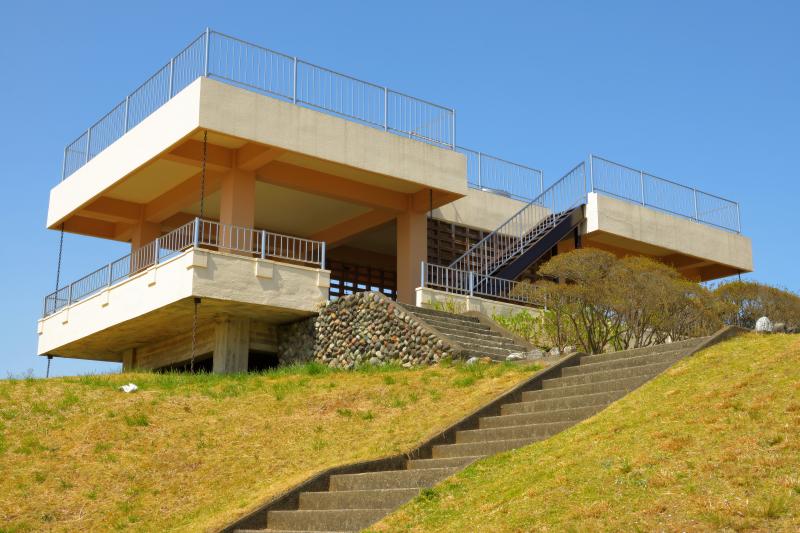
<point>231,345</point>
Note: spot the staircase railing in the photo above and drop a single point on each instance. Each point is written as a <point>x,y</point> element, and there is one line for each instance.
<point>467,283</point>
<point>511,238</point>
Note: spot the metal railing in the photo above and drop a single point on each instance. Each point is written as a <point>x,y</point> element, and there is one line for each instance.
<point>514,235</point>
<point>254,67</point>
<point>469,283</point>
<point>620,181</point>
<point>199,233</point>
<point>486,172</point>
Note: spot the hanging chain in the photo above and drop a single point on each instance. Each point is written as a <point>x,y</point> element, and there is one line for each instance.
<point>202,206</point>
<point>49,358</point>
<point>60,252</point>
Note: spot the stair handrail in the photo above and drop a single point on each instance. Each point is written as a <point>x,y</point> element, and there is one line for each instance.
<point>566,193</point>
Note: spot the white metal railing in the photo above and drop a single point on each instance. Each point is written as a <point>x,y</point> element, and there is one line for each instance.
<point>254,67</point>
<point>468,283</point>
<point>526,226</point>
<point>620,181</point>
<point>487,172</point>
<point>199,233</point>
<point>289,78</point>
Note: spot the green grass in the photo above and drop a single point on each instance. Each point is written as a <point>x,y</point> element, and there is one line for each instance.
<point>711,445</point>
<point>193,452</point>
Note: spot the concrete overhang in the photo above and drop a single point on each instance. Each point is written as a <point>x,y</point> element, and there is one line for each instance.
<point>158,303</point>
<point>697,250</point>
<point>161,153</point>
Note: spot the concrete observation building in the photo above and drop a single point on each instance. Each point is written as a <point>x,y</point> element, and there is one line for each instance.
<point>253,186</point>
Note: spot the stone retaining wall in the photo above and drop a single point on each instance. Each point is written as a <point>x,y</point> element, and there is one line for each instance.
<point>369,328</point>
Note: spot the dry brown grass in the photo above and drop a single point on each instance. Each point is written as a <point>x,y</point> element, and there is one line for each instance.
<point>711,445</point>
<point>190,453</point>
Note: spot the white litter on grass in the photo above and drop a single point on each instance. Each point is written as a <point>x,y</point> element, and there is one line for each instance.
<point>130,387</point>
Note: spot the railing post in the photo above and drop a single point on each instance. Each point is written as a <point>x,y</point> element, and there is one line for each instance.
<point>541,182</point>
<point>454,129</point>
<point>88,142</point>
<point>108,281</point>
<point>205,59</point>
<point>171,71</point>
<point>157,245</point>
<point>64,165</point>
<point>385,109</point>
<point>263,244</point>
<point>591,172</point>
<point>322,262</point>
<point>471,283</point>
<point>294,81</point>
<point>480,169</point>
<point>422,274</point>
<point>738,219</point>
<point>641,184</point>
<point>127,102</point>
<point>69,294</point>
<point>196,236</point>
<point>696,215</point>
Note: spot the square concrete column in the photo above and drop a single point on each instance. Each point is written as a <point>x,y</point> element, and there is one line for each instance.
<point>231,345</point>
<point>129,360</point>
<point>237,204</point>
<point>144,233</point>
<point>412,249</point>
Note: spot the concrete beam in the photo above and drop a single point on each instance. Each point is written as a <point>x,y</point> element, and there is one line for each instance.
<point>253,156</point>
<point>90,226</point>
<point>320,183</point>
<point>113,210</point>
<point>191,153</point>
<point>344,230</point>
<point>181,196</point>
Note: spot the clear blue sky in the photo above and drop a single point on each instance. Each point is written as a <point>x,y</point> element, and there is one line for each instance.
<point>706,93</point>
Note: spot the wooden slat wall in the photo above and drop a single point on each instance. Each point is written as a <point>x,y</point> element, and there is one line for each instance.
<point>448,241</point>
<point>349,278</point>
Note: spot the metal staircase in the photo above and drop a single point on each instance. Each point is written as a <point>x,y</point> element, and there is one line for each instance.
<point>530,232</point>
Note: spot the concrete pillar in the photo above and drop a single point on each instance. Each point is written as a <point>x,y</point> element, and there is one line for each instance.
<point>144,233</point>
<point>412,249</point>
<point>238,199</point>
<point>231,345</point>
<point>129,360</point>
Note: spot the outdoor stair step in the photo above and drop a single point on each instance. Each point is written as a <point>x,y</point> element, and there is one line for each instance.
<point>564,402</point>
<point>607,375</point>
<point>356,499</point>
<point>427,311</point>
<point>618,364</point>
<point>574,414</point>
<point>451,462</point>
<point>487,339</point>
<point>486,351</point>
<point>541,431</point>
<point>390,479</point>
<point>470,449</point>
<point>586,388</point>
<point>325,520</point>
<point>647,350</point>
<point>478,329</point>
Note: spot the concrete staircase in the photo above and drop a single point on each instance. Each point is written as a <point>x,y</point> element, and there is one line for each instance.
<point>468,334</point>
<point>354,501</point>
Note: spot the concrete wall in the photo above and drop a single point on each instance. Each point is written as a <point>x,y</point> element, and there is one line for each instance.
<point>631,222</point>
<point>427,297</point>
<point>479,209</point>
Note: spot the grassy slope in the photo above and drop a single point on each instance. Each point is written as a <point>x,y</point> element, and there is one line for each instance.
<point>188,453</point>
<point>714,444</point>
